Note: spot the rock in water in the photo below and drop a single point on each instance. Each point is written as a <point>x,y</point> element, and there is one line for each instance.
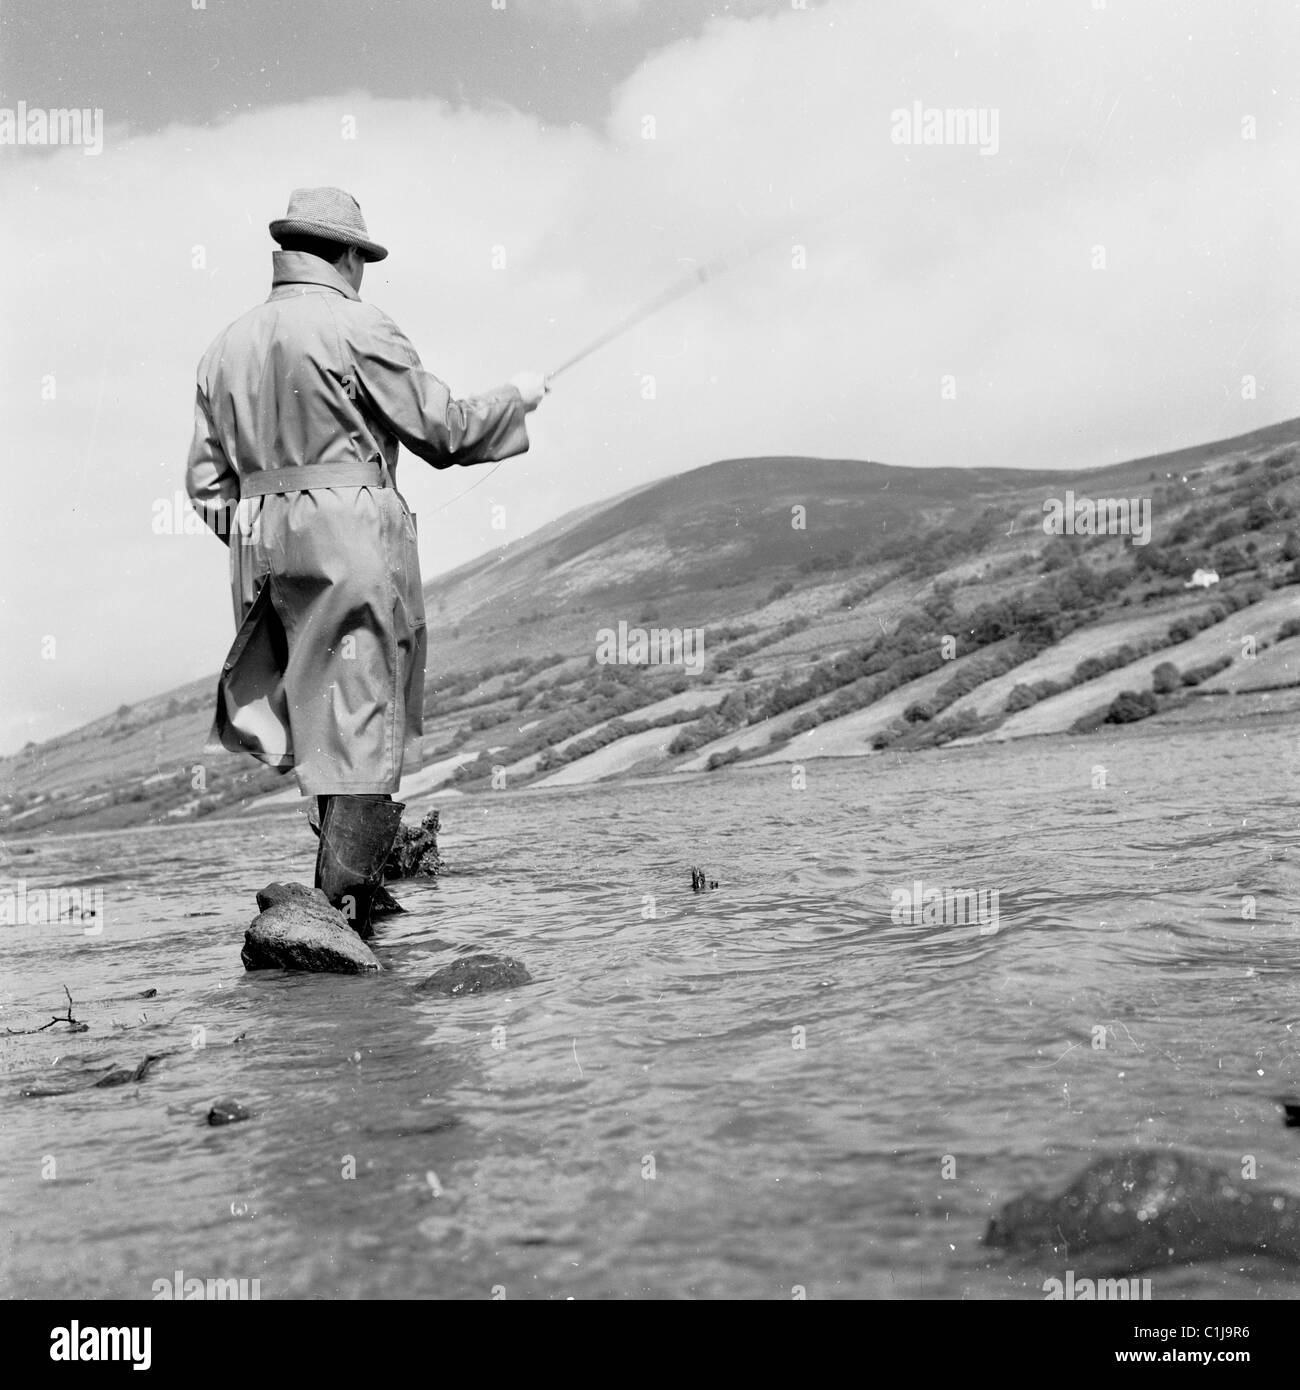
<point>384,903</point>
<point>1136,1209</point>
<point>227,1112</point>
<point>477,974</point>
<point>114,1076</point>
<point>415,851</point>
<point>299,930</point>
<point>123,1076</point>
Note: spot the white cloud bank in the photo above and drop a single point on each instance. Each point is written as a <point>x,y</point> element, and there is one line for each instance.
<point>1119,138</point>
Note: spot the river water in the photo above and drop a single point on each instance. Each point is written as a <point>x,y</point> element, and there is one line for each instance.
<point>779,1085</point>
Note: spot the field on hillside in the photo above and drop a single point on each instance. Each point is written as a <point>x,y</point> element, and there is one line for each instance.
<point>842,607</point>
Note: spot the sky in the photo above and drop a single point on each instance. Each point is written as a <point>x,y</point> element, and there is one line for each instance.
<point>1094,268</point>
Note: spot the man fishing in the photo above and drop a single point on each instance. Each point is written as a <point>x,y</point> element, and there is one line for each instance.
<point>301,405</point>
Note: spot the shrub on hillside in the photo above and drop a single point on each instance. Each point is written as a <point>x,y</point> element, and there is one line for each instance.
<point>809,719</point>
<point>1260,514</point>
<point>1131,705</point>
<point>992,621</point>
<point>1228,559</point>
<point>1165,678</point>
<point>944,730</point>
<point>1194,675</point>
<point>1020,698</point>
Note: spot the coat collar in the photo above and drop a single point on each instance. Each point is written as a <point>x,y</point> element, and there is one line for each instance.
<point>302,268</point>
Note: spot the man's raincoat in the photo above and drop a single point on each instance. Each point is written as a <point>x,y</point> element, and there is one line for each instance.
<point>301,405</point>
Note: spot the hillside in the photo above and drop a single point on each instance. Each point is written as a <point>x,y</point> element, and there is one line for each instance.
<point>845,607</point>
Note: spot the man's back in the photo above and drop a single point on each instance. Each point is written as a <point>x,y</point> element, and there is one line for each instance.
<point>313,375</point>
<point>280,388</point>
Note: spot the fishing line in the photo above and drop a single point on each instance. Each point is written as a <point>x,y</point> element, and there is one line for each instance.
<point>471,487</point>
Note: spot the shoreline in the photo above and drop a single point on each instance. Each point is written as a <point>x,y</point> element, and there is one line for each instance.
<point>1169,723</point>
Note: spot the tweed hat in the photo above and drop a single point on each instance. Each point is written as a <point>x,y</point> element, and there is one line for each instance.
<point>331,214</point>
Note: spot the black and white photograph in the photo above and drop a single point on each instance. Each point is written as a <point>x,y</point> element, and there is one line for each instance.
<point>651,653</point>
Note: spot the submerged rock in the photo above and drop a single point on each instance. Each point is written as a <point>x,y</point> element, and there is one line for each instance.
<point>1137,1208</point>
<point>477,975</point>
<point>227,1112</point>
<point>299,930</point>
<point>113,1076</point>
<point>415,851</point>
<point>123,1076</point>
<point>383,903</point>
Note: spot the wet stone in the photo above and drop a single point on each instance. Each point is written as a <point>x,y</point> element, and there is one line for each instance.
<point>227,1112</point>
<point>476,975</point>
<point>1139,1208</point>
<point>299,930</point>
<point>415,851</point>
<point>124,1076</point>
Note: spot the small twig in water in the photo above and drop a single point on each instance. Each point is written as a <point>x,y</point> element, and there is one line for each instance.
<point>67,1018</point>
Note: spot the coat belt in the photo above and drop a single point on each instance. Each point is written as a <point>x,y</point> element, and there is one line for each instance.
<point>304,477</point>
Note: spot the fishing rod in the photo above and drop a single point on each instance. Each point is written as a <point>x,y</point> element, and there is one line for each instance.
<point>686,284</point>
<point>701,275</point>
<point>695,278</point>
<point>710,270</point>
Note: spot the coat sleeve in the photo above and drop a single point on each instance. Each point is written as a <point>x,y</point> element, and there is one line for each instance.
<point>210,481</point>
<point>419,409</point>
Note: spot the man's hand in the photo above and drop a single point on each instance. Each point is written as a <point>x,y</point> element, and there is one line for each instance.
<point>532,387</point>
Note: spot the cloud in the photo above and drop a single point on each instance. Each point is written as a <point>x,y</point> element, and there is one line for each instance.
<point>861,272</point>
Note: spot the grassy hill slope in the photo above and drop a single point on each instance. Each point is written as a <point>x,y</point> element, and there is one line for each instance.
<point>845,607</point>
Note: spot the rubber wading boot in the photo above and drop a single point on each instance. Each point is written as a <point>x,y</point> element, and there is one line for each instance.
<point>383,904</point>
<point>356,835</point>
